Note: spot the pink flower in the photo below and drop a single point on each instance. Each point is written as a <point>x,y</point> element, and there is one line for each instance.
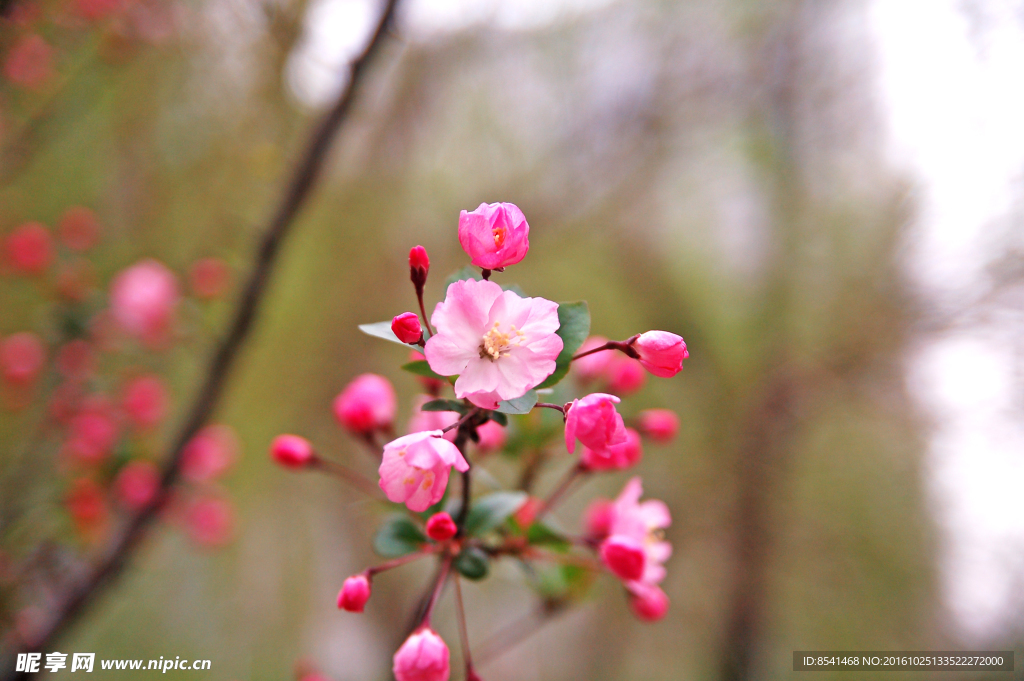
<point>527,513</point>
<point>79,228</point>
<point>210,521</point>
<point>661,425</point>
<point>143,299</point>
<point>292,451</point>
<point>494,235</point>
<point>431,420</point>
<point>354,594</point>
<point>441,527</point>
<point>415,469</point>
<point>592,367</point>
<point>419,266</point>
<point>93,432</point>
<point>423,657</point>
<point>625,376</point>
<point>648,602</point>
<point>407,327</point>
<point>637,526</point>
<point>22,356</point>
<point>209,277</point>
<point>594,420</point>
<point>500,344</point>
<point>29,63</point>
<point>210,453</point>
<point>366,404</point>
<point>137,484</point>
<point>662,353</point>
<point>29,248</point>
<point>145,401</point>
<point>616,457</point>
<point>492,437</point>
<point>597,518</point>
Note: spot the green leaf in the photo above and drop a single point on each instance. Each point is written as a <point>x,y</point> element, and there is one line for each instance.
<point>472,563</point>
<point>498,418</point>
<point>382,330</point>
<point>540,534</point>
<point>398,536</point>
<point>573,329</point>
<point>467,272</point>
<point>444,405</point>
<point>520,405</point>
<point>421,368</point>
<point>564,581</point>
<point>492,510</point>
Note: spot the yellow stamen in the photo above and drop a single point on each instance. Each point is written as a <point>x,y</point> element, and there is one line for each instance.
<point>496,344</point>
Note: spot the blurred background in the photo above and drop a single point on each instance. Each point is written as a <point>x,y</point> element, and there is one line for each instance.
<point>822,198</point>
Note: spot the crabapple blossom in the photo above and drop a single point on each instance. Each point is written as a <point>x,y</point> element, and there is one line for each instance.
<point>597,518</point>
<point>527,513</point>
<point>292,451</point>
<point>423,657</point>
<point>29,248</point>
<point>595,422</point>
<point>143,300</point>
<point>86,503</point>
<point>499,343</point>
<point>615,457</point>
<point>441,527</point>
<point>93,432</point>
<point>355,592</point>
<point>494,235</point>
<point>635,524</point>
<point>22,356</point>
<point>210,453</point>
<point>145,401</point>
<point>415,468</point>
<point>419,266</point>
<point>624,556</point>
<point>492,437</point>
<point>647,601</point>
<point>137,484</point>
<point>661,425</point>
<point>662,353</point>
<point>75,360</point>
<point>366,404</point>
<point>407,327</point>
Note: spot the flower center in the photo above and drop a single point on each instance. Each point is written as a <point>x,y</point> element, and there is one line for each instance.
<point>496,344</point>
<point>499,235</point>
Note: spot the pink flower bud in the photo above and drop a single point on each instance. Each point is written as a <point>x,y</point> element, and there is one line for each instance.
<point>625,376</point>
<point>661,425</point>
<point>594,420</point>
<point>86,504</point>
<point>494,235</point>
<point>441,527</point>
<point>616,457</point>
<point>354,594</point>
<point>93,432</point>
<point>416,467</point>
<point>624,556</point>
<point>29,248</point>
<point>527,513</point>
<point>648,602</point>
<point>597,518</point>
<point>210,521</point>
<point>492,437</point>
<point>210,453</point>
<point>407,327</point>
<point>143,299</point>
<point>22,356</point>
<point>592,367</point>
<point>662,353</point>
<point>423,657</point>
<point>79,228</point>
<point>367,404</point>
<point>137,484</point>
<point>145,401</point>
<point>208,278</point>
<point>419,266</point>
<point>29,63</point>
<point>292,451</point>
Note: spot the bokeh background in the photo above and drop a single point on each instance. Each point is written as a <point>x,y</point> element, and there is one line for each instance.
<point>821,197</point>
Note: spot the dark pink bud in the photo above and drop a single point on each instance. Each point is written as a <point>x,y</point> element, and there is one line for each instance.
<point>366,404</point>
<point>662,353</point>
<point>22,356</point>
<point>407,327</point>
<point>527,513</point>
<point>137,484</point>
<point>648,602</point>
<point>292,451</point>
<point>419,266</point>
<point>441,527</point>
<point>354,594</point>
<point>661,425</point>
<point>616,457</point>
<point>29,248</point>
<point>624,556</point>
<point>492,438</point>
<point>423,657</point>
<point>79,228</point>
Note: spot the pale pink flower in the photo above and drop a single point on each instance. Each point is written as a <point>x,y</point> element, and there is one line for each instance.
<point>638,525</point>
<point>29,248</point>
<point>647,601</point>
<point>210,453</point>
<point>431,420</point>
<point>22,357</point>
<point>492,437</point>
<point>145,401</point>
<point>407,327</point>
<point>661,425</point>
<point>500,344</point>
<point>494,235</point>
<point>592,367</point>
<point>594,420</point>
<point>292,451</point>
<point>441,527</point>
<point>662,353</point>
<point>137,483</point>
<point>616,457</point>
<point>415,468</point>
<point>143,299</point>
<point>423,657</point>
<point>366,404</point>
<point>354,594</point>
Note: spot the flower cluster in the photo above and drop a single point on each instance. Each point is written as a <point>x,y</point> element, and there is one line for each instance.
<point>500,352</point>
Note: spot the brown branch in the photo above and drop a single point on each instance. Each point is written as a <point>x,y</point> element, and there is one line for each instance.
<point>302,183</point>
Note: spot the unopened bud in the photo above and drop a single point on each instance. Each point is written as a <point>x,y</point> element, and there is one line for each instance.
<point>441,527</point>
<point>354,594</point>
<point>407,327</point>
<point>419,266</point>
<point>291,451</point>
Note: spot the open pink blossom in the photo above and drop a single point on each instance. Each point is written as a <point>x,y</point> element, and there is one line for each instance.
<point>624,556</point>
<point>616,457</point>
<point>662,353</point>
<point>423,657</point>
<point>494,235</point>
<point>366,404</point>
<point>500,344</point>
<point>634,524</point>
<point>594,420</point>
<point>597,518</point>
<point>415,468</point>
<point>143,299</point>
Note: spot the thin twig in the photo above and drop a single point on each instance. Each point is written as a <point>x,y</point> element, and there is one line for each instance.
<point>559,492</point>
<point>547,405</point>
<point>460,612</point>
<point>303,181</point>
<point>354,478</point>
<point>517,632</point>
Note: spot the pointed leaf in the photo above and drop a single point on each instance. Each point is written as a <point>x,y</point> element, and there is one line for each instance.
<point>398,536</point>
<point>492,510</point>
<point>472,563</point>
<point>520,405</point>
<point>444,405</point>
<point>382,330</point>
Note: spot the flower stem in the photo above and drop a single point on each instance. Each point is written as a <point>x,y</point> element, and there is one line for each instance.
<point>357,480</point>
<point>625,346</point>
<point>548,405</point>
<point>423,313</point>
<point>442,577</point>
<point>460,611</point>
<point>559,492</point>
<point>398,562</point>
